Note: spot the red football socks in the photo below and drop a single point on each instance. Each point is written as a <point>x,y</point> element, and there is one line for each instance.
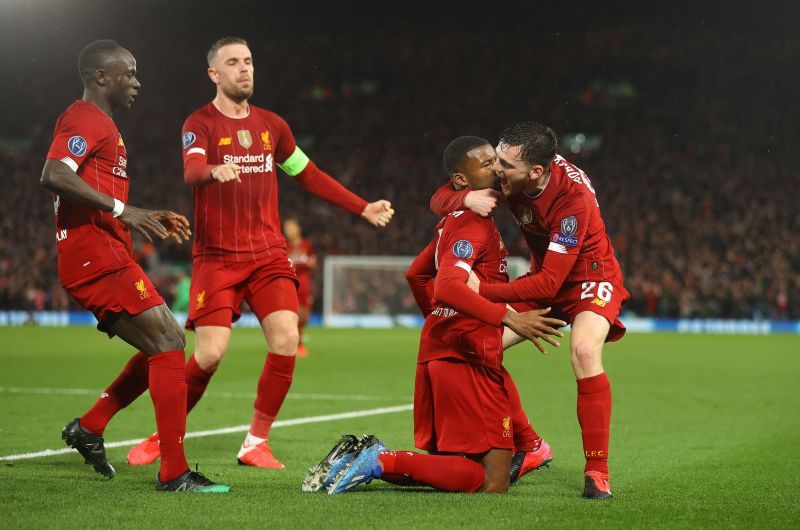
<point>168,391</point>
<point>129,385</point>
<point>273,385</point>
<point>594,416</point>
<point>196,382</point>
<point>445,473</point>
<point>525,437</point>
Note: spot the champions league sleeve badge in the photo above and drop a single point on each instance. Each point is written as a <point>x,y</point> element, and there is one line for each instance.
<point>569,225</point>
<point>463,249</point>
<point>188,139</point>
<point>77,145</point>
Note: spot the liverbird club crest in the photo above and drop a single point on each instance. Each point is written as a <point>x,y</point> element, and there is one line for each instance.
<point>245,140</point>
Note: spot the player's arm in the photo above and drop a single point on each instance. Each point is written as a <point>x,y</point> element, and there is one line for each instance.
<point>420,277</point>
<point>451,289</point>
<point>458,248</point>
<point>447,199</point>
<point>562,252</point>
<point>196,169</point>
<point>61,179</point>
<point>295,163</point>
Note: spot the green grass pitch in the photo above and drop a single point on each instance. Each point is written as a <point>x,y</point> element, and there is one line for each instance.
<point>705,433</point>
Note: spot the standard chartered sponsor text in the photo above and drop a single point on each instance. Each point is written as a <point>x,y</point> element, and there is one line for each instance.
<point>259,163</point>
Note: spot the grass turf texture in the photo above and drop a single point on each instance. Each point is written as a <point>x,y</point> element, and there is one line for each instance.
<point>705,433</point>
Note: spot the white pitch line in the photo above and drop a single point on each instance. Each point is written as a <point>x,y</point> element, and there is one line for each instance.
<point>229,430</point>
<point>223,394</point>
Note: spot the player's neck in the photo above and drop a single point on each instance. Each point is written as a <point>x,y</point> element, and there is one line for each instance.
<point>536,187</point>
<point>98,101</point>
<point>231,108</point>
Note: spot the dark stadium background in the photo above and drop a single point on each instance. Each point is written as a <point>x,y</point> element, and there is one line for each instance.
<point>685,117</point>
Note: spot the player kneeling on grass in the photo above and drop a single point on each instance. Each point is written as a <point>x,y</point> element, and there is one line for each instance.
<point>462,407</point>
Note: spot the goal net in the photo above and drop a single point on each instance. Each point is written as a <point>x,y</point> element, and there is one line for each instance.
<point>371,291</point>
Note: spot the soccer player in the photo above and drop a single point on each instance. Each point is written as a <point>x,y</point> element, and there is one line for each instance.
<point>462,401</point>
<point>230,150</point>
<point>573,270</point>
<point>86,169</point>
<point>304,260</point>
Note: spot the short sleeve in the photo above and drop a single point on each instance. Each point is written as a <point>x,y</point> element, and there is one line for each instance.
<point>462,240</point>
<point>194,137</point>
<point>568,225</point>
<point>75,138</point>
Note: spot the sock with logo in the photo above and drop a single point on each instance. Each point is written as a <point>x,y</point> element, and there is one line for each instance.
<point>129,385</point>
<point>273,385</point>
<point>196,382</point>
<point>168,391</point>
<point>594,416</point>
<point>442,472</point>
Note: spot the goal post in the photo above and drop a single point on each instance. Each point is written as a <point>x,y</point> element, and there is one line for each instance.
<point>371,291</point>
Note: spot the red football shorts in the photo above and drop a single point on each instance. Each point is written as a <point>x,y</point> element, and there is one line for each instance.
<point>604,298</point>
<point>267,286</point>
<point>127,289</point>
<point>304,294</point>
<point>461,407</point>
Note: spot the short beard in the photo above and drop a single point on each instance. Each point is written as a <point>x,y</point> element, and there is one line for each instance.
<point>238,95</point>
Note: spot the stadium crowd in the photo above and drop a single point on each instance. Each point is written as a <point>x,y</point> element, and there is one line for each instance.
<point>691,158</point>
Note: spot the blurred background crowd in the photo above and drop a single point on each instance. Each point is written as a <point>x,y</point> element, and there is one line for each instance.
<point>687,128</point>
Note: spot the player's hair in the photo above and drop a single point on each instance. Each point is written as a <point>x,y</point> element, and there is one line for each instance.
<point>455,154</point>
<point>538,142</point>
<point>224,41</point>
<point>94,56</point>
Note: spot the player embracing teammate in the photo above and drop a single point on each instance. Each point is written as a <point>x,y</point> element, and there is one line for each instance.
<point>573,270</point>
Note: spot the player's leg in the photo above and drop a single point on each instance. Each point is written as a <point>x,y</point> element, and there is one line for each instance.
<point>275,304</point>
<point>531,452</point>
<point>158,334</point>
<point>113,297</point>
<point>497,469</point>
<point>212,336</point>
<point>453,412</point>
<point>589,332</point>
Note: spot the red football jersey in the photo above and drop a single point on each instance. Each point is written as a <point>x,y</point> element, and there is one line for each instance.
<point>238,221</point>
<point>300,255</point>
<point>565,218</point>
<point>472,243</point>
<point>89,240</point>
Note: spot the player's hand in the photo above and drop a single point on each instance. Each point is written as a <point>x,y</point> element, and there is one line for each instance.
<point>226,172</point>
<point>176,225</point>
<point>482,202</point>
<point>533,325</point>
<point>473,282</point>
<point>146,222</point>
<point>378,213</point>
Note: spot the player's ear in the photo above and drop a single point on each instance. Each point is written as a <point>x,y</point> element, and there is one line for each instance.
<point>460,180</point>
<point>212,73</point>
<point>101,77</point>
<point>535,172</point>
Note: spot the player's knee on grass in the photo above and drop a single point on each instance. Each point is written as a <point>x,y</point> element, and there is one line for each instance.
<point>497,467</point>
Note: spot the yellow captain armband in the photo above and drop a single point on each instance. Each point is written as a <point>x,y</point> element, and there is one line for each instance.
<point>296,162</point>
